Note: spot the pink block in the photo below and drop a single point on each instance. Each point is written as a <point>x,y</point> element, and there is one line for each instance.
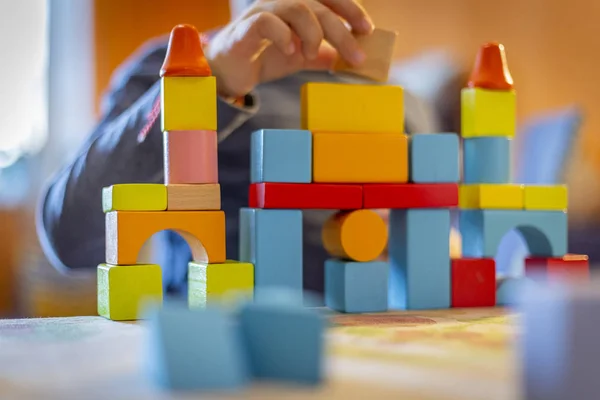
<point>191,157</point>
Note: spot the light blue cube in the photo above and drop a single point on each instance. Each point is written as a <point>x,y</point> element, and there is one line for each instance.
<point>284,342</point>
<point>486,160</point>
<point>281,155</point>
<point>356,287</point>
<point>434,158</point>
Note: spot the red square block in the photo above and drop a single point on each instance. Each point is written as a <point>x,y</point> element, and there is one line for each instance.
<point>473,282</point>
<point>571,268</point>
<point>305,196</point>
<point>410,195</point>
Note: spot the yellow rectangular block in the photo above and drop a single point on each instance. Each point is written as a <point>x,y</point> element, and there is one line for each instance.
<point>336,107</point>
<point>545,197</point>
<point>125,290</point>
<point>134,197</point>
<point>495,196</point>
<point>488,113</point>
<point>360,158</point>
<point>194,197</point>
<point>224,284</point>
<point>188,103</point>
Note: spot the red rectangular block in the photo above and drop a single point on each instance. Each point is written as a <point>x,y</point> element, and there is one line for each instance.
<point>410,195</point>
<point>571,268</point>
<point>305,196</point>
<point>473,282</point>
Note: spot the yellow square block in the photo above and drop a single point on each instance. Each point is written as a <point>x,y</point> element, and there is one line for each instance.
<point>495,196</point>
<point>336,107</point>
<point>134,197</point>
<point>225,284</point>
<point>188,103</point>
<point>488,113</point>
<point>123,290</point>
<point>545,197</point>
<point>360,158</point>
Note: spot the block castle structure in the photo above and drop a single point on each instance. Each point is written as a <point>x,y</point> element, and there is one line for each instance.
<point>350,155</point>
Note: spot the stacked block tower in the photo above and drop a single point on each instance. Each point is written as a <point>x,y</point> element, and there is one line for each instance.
<point>188,203</point>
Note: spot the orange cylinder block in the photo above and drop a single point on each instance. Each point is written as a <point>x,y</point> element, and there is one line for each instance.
<point>359,235</point>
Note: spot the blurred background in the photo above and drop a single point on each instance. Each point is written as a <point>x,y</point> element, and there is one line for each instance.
<point>59,56</point>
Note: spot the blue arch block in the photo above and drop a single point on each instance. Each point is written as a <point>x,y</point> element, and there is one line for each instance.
<point>486,160</point>
<point>434,158</point>
<point>545,232</point>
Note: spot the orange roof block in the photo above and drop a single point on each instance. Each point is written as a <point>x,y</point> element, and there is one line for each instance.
<point>491,69</point>
<point>185,56</point>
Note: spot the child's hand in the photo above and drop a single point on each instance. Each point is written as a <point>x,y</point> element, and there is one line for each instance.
<point>276,38</point>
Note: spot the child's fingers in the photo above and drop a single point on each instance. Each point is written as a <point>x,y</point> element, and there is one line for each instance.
<point>270,27</point>
<point>352,12</point>
<point>304,24</point>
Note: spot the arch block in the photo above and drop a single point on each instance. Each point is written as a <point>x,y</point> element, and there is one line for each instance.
<point>127,231</point>
<point>544,231</point>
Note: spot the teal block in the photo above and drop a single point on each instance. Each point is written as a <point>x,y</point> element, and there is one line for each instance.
<point>281,155</point>
<point>419,254</point>
<point>194,350</point>
<point>272,241</point>
<point>545,232</point>
<point>434,158</point>
<point>509,290</point>
<point>356,287</point>
<point>486,160</point>
<point>284,342</point>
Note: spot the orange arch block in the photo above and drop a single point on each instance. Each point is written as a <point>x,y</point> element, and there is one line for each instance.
<point>185,56</point>
<point>491,69</point>
<point>127,231</point>
<point>359,235</point>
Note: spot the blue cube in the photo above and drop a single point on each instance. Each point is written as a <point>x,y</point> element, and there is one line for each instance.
<point>283,341</point>
<point>281,155</point>
<point>434,158</point>
<point>486,160</point>
<point>356,287</point>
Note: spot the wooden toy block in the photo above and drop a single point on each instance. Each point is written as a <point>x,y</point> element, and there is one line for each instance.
<point>490,70</point>
<point>356,287</point>
<point>124,290</point>
<point>473,282</point>
<point>194,197</point>
<point>509,290</point>
<point>488,113</point>
<point>559,353</point>
<point>320,196</point>
<point>419,256</point>
<point>545,232</point>
<point>335,107</point>
<point>198,350</point>
<point>360,158</point>
<point>281,155</point>
<point>190,157</point>
<point>134,197</point>
<point>188,103</point>
<point>491,196</point>
<point>185,56</point>
<point>410,195</point>
<point>272,241</point>
<point>539,197</point>
<point>359,235</point>
<point>486,160</point>
<point>378,47</point>
<point>569,268</point>
<point>220,284</point>
<point>127,231</point>
<point>434,158</point>
<point>284,342</point>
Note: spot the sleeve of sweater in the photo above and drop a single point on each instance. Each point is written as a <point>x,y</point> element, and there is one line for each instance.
<point>70,220</point>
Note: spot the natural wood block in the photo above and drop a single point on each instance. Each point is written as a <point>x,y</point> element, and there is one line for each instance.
<point>127,231</point>
<point>190,157</point>
<point>188,103</point>
<point>194,197</point>
<point>379,50</point>
<point>134,197</point>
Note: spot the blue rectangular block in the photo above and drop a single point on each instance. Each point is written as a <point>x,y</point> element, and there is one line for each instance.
<point>486,160</point>
<point>545,232</point>
<point>283,342</point>
<point>419,253</point>
<point>434,158</point>
<point>272,241</point>
<point>281,155</point>
<point>194,350</point>
<point>356,287</point>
